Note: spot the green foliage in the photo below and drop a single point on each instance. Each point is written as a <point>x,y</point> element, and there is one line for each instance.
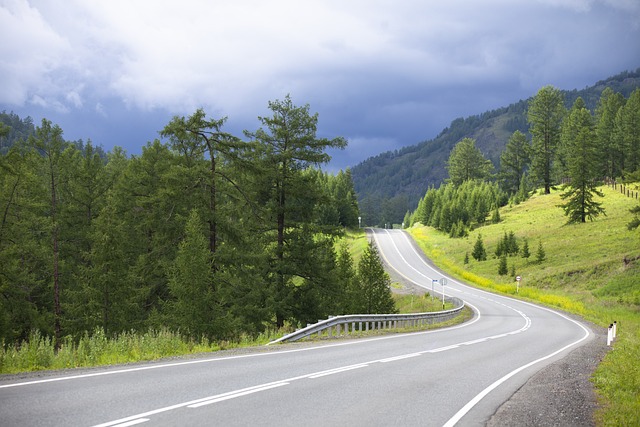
<point>635,222</point>
<point>479,253</point>
<point>541,255</point>
<point>184,236</point>
<point>578,138</point>
<point>467,163</point>
<point>502,266</point>
<point>375,284</point>
<point>545,114</point>
<point>525,249</point>
<point>514,162</point>
<point>458,208</point>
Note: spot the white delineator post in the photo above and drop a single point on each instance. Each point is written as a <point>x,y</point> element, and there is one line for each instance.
<point>610,334</point>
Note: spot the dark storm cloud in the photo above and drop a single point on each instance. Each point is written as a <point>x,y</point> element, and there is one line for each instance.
<point>382,74</point>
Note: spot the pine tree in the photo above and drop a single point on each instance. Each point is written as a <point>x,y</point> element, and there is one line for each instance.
<point>610,147</point>
<point>466,162</point>
<point>375,284</point>
<point>512,244</point>
<point>545,114</point>
<point>540,254</point>
<point>525,249</point>
<point>495,217</point>
<point>284,148</point>
<point>502,266</point>
<point>514,161</point>
<point>579,137</point>
<point>479,253</point>
<point>193,309</point>
<point>635,222</point>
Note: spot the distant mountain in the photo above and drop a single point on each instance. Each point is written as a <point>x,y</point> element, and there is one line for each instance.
<point>391,183</point>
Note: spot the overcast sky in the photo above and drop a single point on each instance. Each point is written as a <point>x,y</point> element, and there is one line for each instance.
<point>383,74</point>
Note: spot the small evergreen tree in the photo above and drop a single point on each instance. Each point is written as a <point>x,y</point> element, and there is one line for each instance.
<point>525,249</point>
<point>502,266</point>
<point>635,222</point>
<point>512,244</point>
<point>540,255</point>
<point>495,218</point>
<point>375,284</point>
<point>479,253</point>
<point>466,258</point>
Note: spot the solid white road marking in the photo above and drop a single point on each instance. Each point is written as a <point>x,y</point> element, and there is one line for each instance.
<point>234,394</point>
<point>133,423</point>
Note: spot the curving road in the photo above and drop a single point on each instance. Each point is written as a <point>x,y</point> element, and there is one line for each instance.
<point>454,376</point>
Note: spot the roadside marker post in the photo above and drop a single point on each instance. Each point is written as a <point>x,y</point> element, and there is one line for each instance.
<point>518,278</point>
<point>433,282</point>
<point>443,282</point>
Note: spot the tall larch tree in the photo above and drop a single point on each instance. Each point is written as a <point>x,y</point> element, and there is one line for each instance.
<point>285,146</point>
<point>610,148</point>
<point>196,136</point>
<point>579,135</point>
<point>466,162</point>
<point>514,161</point>
<point>48,142</point>
<point>545,114</point>
<point>375,284</point>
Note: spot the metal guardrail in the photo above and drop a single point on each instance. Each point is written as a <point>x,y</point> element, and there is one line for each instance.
<point>368,322</point>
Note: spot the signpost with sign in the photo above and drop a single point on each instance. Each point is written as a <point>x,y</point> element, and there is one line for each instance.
<point>518,278</point>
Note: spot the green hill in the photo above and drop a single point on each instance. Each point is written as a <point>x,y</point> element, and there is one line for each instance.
<point>391,183</point>
<point>590,269</point>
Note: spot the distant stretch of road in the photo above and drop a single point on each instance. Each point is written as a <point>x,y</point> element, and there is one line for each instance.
<point>453,376</point>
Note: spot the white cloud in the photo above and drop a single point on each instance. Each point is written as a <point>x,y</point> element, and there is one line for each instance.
<point>30,51</point>
<point>374,68</point>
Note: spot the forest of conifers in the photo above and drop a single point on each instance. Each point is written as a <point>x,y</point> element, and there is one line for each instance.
<point>215,236</point>
<point>207,234</point>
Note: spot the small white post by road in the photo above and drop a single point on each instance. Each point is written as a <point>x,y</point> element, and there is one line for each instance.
<point>610,334</point>
<point>615,328</point>
<point>433,282</point>
<point>518,278</point>
<point>443,282</point>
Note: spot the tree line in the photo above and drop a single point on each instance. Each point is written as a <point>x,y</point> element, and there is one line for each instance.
<point>574,148</point>
<point>208,234</point>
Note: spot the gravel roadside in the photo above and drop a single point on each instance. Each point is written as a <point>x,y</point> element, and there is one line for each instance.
<point>561,394</point>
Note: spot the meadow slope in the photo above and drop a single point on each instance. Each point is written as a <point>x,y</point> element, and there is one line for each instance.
<point>590,269</point>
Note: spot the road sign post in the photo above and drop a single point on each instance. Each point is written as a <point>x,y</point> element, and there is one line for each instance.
<point>433,282</point>
<point>518,278</point>
<point>443,282</point>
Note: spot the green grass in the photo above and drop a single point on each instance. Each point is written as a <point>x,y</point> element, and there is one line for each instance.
<point>357,242</point>
<point>591,269</point>
<point>37,353</point>
<point>407,303</point>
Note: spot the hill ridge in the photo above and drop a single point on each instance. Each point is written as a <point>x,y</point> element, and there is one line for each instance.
<point>391,183</point>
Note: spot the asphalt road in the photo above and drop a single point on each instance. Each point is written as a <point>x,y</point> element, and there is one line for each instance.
<point>453,376</point>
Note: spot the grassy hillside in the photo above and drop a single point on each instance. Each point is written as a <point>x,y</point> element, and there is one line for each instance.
<point>590,269</point>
